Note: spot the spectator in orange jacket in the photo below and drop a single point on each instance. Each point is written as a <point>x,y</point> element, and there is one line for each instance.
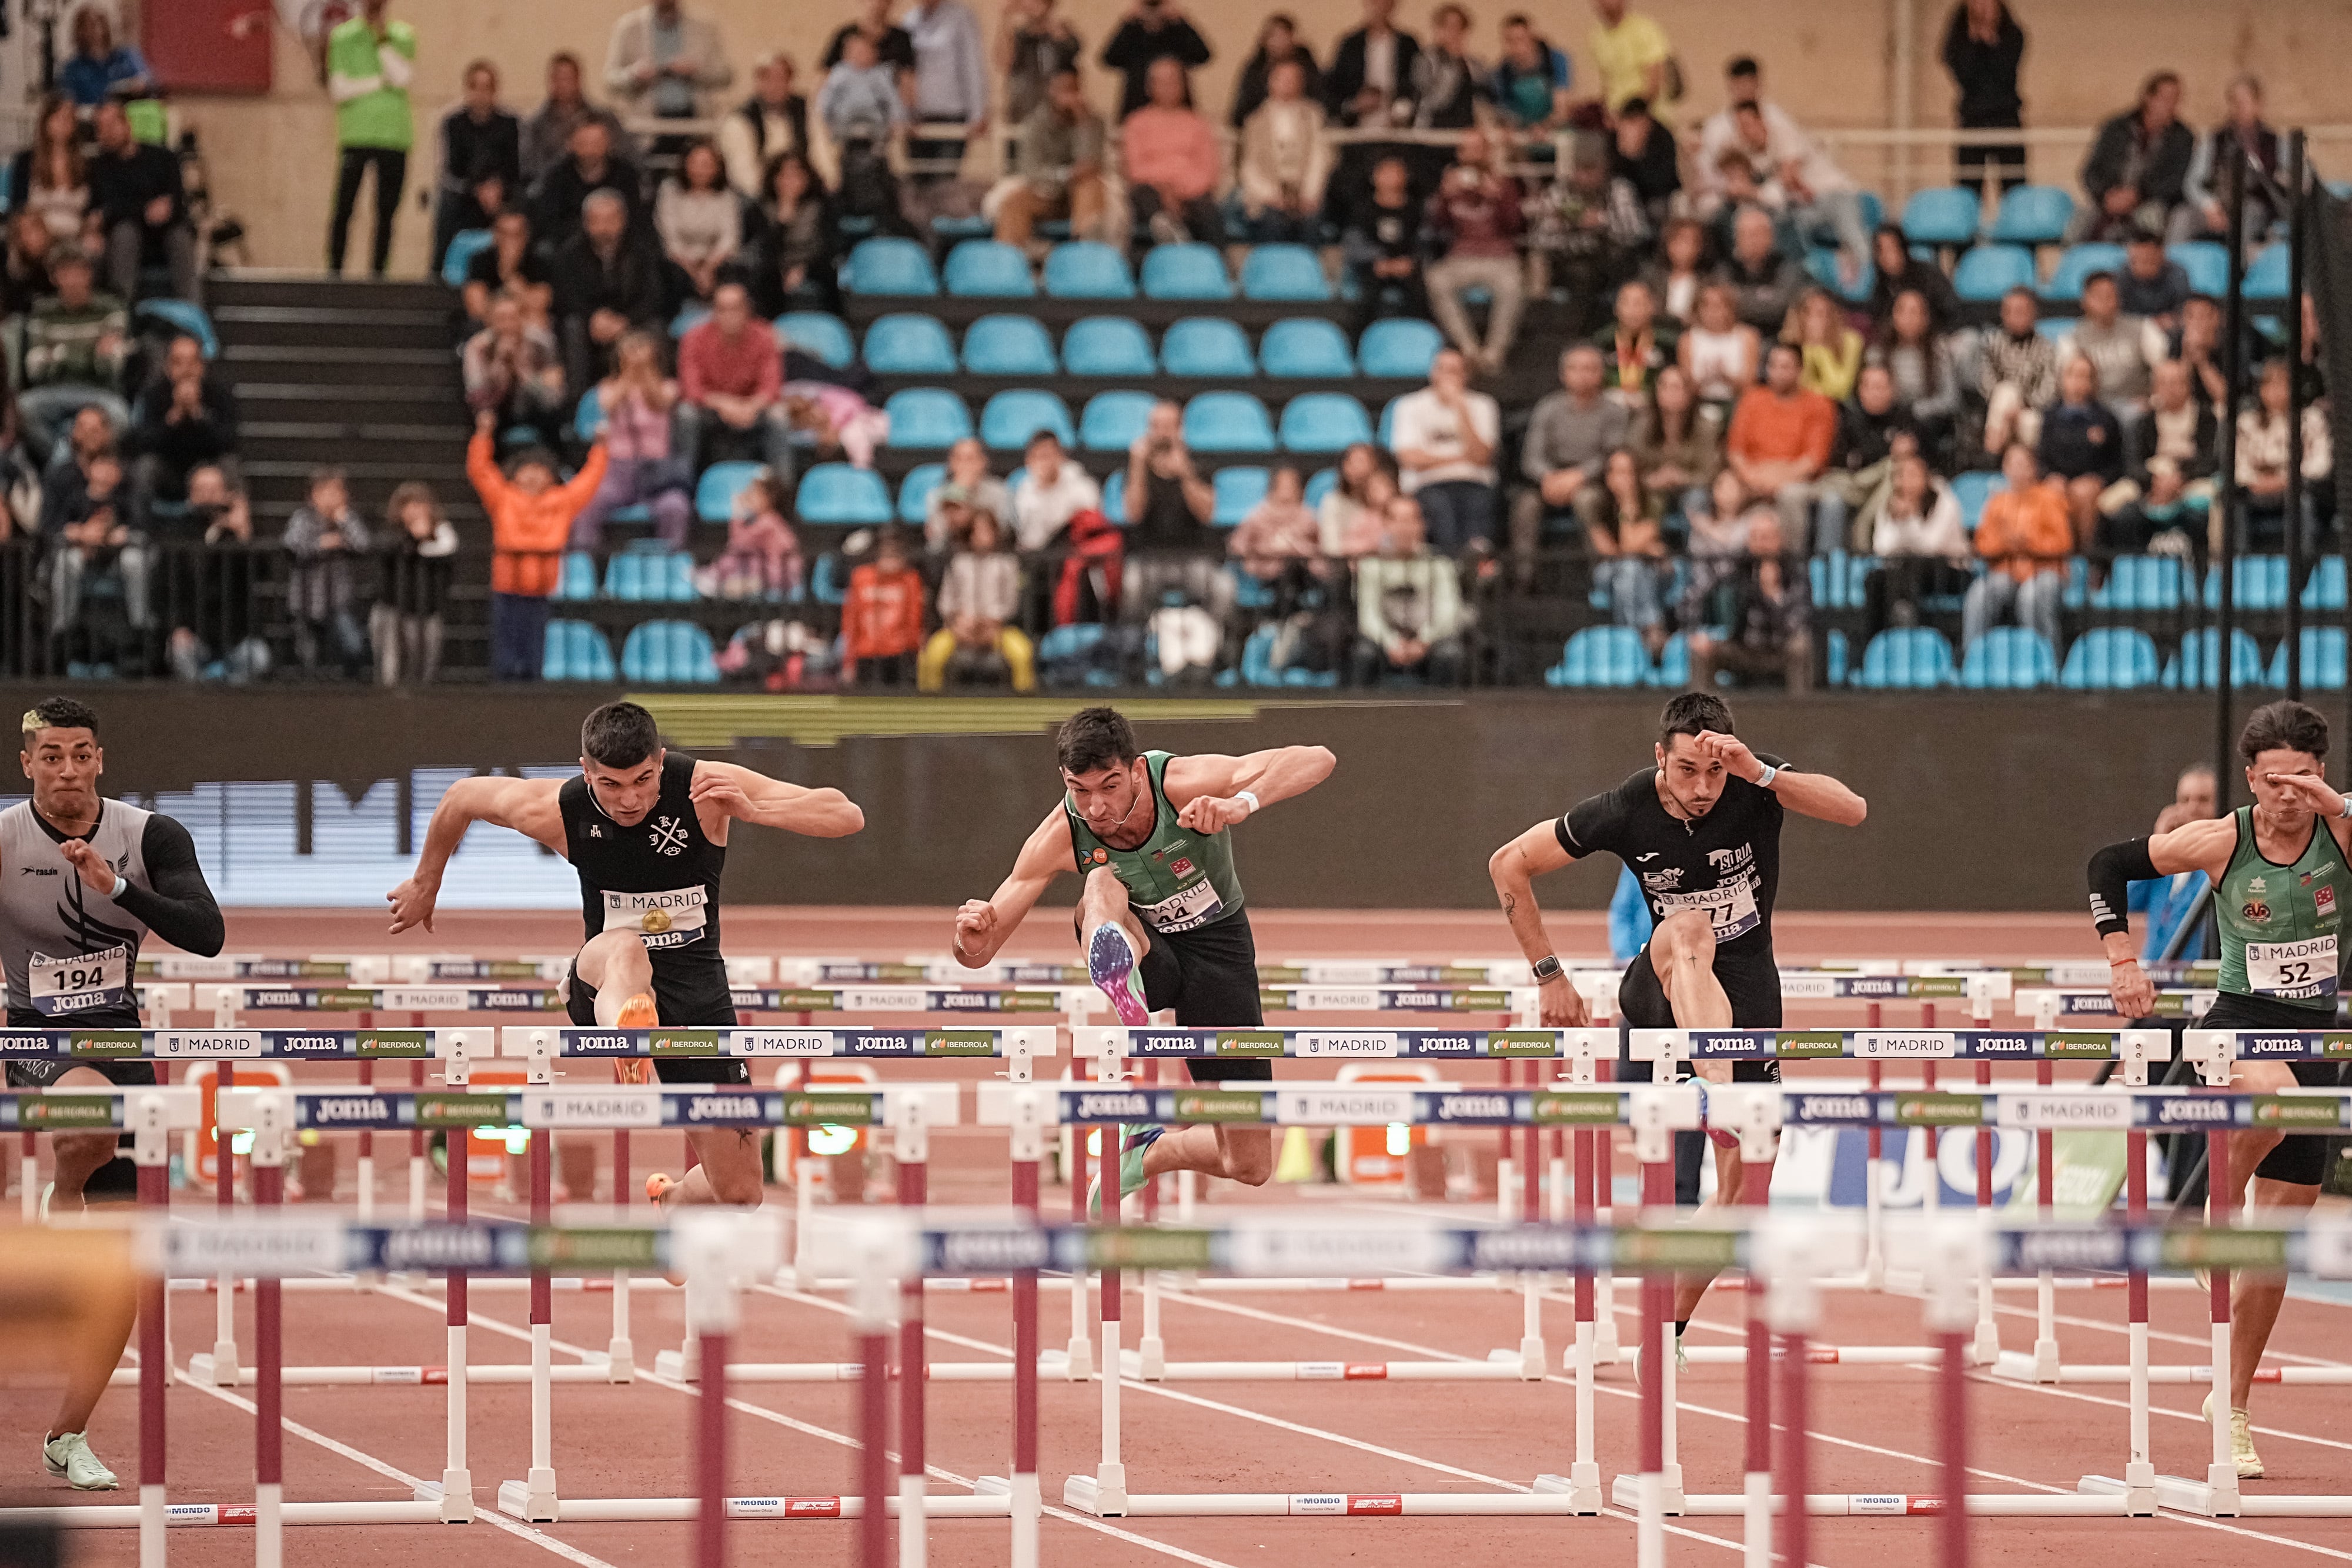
<point>1779,442</point>
<point>882,619</point>
<point>530,518</point>
<point>2024,536</point>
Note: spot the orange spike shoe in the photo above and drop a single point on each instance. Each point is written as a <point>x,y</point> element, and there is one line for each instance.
<point>658,1187</point>
<point>637,1012</point>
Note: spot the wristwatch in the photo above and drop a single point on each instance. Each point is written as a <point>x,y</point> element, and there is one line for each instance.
<point>1547,967</point>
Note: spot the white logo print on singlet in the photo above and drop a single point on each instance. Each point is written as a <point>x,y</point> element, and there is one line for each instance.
<point>668,836</point>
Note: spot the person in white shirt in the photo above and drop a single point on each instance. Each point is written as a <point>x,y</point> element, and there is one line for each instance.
<point>772,121</point>
<point>2262,459</point>
<point>1285,161</point>
<point>1818,194</point>
<point>699,217</point>
<point>1048,492</point>
<point>665,64</point>
<point>1922,546</point>
<point>1444,438</point>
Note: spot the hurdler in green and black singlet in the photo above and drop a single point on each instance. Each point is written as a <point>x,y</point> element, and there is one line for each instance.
<point>2281,926</point>
<point>1182,886</point>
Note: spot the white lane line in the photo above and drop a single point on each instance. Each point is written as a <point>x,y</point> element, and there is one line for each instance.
<point>489,1516</point>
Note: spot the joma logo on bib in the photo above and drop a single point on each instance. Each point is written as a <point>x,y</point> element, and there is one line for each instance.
<point>668,919</point>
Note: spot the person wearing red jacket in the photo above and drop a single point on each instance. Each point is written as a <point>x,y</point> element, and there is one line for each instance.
<point>530,518</point>
<point>882,619</point>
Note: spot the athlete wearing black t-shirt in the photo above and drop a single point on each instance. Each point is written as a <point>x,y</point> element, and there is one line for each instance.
<point>1701,832</point>
<point>647,832</point>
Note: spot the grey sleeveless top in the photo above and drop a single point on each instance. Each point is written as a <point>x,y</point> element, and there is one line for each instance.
<point>69,955</point>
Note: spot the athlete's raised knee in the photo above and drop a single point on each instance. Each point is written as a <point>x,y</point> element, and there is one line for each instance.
<point>1684,934</point>
<point>1102,882</point>
<point>606,948</point>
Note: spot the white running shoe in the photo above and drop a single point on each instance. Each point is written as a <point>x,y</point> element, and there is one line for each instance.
<point>1682,1361</point>
<point>2241,1439</point>
<point>68,1455</point>
<point>1114,966</point>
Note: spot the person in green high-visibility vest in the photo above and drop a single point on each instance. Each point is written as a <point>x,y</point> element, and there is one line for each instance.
<point>370,60</point>
<point>1160,915</point>
<point>2280,885</point>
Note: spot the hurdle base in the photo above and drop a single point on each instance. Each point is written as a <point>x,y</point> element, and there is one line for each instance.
<point>2213,1501</point>
<point>2022,1367</point>
<point>2137,1489</point>
<point>203,1368</point>
<point>1581,1486</point>
<point>220,1367</point>
<point>1818,1355</point>
<point>621,1362</point>
<point>1049,1364</point>
<point>1088,1495</point>
<point>1500,1366</point>
<point>1322,1505</point>
<point>663,1510</point>
<point>1894,1505</point>
<point>532,1499</point>
<point>1625,1491</point>
<point>125,1515</point>
<point>454,1503</point>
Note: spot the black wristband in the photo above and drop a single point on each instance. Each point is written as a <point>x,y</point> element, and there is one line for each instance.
<point>2112,872</point>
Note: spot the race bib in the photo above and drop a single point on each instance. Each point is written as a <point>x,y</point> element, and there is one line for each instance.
<point>669,919</point>
<point>1195,906</point>
<point>62,987</point>
<point>2301,971</point>
<point>1731,910</point>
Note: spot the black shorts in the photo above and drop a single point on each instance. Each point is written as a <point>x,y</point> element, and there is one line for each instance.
<point>688,1005</point>
<point>1754,990</point>
<point>1209,977</point>
<point>2301,1158</point>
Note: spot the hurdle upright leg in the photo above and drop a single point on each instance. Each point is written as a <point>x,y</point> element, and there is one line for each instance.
<point>621,1357</point>
<point>1081,1353</point>
<point>1531,1212</point>
<point>269,1352</point>
<point>540,1500</point>
<point>152,1153</point>
<point>2139,1468</point>
<point>1756,1484</point>
<point>224,1363</point>
<point>457,1478</point>
<point>1987,1351</point>
<point>2045,1285</point>
<point>2221,1475</point>
<point>1028,1145</point>
<point>910,1147</point>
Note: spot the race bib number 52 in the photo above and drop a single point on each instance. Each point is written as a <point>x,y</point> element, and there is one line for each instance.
<point>2293,971</point>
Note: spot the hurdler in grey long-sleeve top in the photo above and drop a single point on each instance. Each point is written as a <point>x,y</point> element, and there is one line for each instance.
<point>1565,433</point>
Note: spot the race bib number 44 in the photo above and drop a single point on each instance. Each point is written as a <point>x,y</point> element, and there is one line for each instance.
<point>1731,910</point>
<point>62,987</point>
<point>1195,906</point>
<point>2293,971</point>
<point>669,919</point>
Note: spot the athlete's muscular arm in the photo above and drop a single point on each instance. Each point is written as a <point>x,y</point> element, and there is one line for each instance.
<point>1815,795</point>
<point>177,905</point>
<point>984,925</point>
<point>2203,845</point>
<point>765,802</point>
<point>528,805</point>
<point>1205,790</point>
<point>1514,869</point>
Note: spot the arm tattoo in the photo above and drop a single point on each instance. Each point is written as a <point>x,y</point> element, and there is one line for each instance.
<point>1510,904</point>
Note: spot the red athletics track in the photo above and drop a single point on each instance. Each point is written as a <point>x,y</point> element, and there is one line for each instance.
<point>1869,1423</point>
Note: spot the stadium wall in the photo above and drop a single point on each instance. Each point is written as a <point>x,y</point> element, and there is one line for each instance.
<point>1976,803</point>
<point>1831,61</point>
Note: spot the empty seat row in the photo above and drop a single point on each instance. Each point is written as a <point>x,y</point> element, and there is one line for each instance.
<point>1214,421</point>
<point>1986,272</point>
<point>643,576</point>
<point>662,653</point>
<point>837,494</point>
<point>1201,347</point>
<point>2133,583</point>
<point>1086,269</point>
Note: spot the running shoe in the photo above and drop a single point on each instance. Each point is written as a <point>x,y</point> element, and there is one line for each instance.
<point>2241,1441</point>
<point>1131,1179</point>
<point>658,1187</point>
<point>1115,966</point>
<point>1682,1362</point>
<point>68,1456</point>
<point>637,1012</point>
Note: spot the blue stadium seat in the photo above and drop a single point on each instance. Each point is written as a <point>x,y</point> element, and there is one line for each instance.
<point>1602,656</point>
<point>1008,346</point>
<point>910,345</point>
<point>1185,272</point>
<point>692,314</point>
<point>2257,582</point>
<point>1227,422</point>
<point>1319,483</point>
<point>828,580</point>
<point>588,419</point>
<point>2110,659</point>
<point>2196,664</point>
<point>2206,262</point>
<point>575,651</point>
<point>1971,489</point>
<point>575,577</point>
<point>1107,345</point>
<point>2266,274</point>
<point>2033,214</point>
<point>625,577</point>
<point>668,653</point>
<point>1284,272</point>
<point>1989,271</point>
<point>1113,420</point>
<point>1822,267</point>
<point>1208,347</point>
<point>1011,418</point>
<point>1907,658</point>
<point>178,316</point>
<point>1942,214</point>
<point>915,490</point>
<point>2325,591</point>
<point>2077,263</point>
<point>714,495</point>
<point>838,492</point>
<point>890,265</point>
<point>1386,426</point>
<point>2322,659</point>
<point>988,269</point>
<point>671,579</point>
<point>821,336</point>
<point>2009,658</point>
<point>1324,422</point>
<point>1307,346</point>
<point>2142,582</point>
<point>464,246</point>
<point>1114,498</point>
<point>1088,269</point>
<point>1238,490</point>
<point>927,416</point>
<point>1401,347</point>
<point>1673,663</point>
<point>1838,578</point>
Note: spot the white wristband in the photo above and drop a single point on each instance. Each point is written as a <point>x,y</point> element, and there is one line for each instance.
<point>2347,812</point>
<point>1250,796</point>
<point>110,892</point>
<point>1771,773</point>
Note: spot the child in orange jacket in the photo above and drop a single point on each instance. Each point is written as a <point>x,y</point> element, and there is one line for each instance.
<point>530,520</point>
<point>882,617</point>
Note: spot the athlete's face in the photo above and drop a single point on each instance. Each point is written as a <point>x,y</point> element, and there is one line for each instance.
<point>1692,780</point>
<point>2276,803</point>
<point>64,766</point>
<point>1108,798</point>
<point>624,794</point>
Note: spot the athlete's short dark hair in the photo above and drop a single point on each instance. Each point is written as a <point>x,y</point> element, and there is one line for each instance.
<point>2284,727</point>
<point>60,713</point>
<point>619,735</point>
<point>1690,713</point>
<point>1095,738</point>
